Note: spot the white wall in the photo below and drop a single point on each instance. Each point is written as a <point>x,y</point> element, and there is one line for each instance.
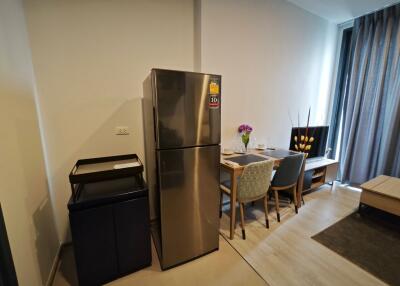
<point>275,59</point>
<point>90,59</point>
<point>24,195</point>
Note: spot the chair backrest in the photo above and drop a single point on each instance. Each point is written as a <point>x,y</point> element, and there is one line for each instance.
<point>288,171</point>
<point>255,180</point>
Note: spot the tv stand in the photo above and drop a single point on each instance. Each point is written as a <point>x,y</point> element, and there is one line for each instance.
<point>312,160</point>
<point>317,172</point>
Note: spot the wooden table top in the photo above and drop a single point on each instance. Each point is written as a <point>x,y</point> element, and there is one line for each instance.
<point>384,185</point>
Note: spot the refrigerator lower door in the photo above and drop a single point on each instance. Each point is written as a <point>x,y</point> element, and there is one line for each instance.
<point>189,202</point>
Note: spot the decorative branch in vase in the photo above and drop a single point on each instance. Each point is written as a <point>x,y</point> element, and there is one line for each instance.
<point>245,131</point>
<point>303,142</point>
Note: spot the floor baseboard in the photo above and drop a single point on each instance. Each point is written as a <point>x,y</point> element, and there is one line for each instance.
<point>54,266</point>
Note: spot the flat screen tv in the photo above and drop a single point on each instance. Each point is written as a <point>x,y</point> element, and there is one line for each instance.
<point>318,144</point>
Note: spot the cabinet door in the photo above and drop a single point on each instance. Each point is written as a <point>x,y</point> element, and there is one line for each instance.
<point>331,172</point>
<point>132,228</point>
<point>94,245</point>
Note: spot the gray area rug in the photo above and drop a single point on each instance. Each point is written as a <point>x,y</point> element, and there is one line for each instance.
<point>370,240</point>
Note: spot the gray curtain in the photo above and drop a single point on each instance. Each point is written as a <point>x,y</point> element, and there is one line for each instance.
<point>370,142</point>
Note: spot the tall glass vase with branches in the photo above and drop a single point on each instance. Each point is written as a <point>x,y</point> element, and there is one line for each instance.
<point>303,142</point>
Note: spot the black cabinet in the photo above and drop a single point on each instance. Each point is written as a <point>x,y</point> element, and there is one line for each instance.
<point>110,229</point>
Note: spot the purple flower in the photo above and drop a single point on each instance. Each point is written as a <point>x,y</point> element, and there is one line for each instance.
<point>245,128</point>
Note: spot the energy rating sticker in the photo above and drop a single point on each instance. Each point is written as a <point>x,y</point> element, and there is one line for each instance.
<point>213,101</point>
<point>214,88</point>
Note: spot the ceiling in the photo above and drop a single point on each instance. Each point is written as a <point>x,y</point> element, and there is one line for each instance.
<point>339,11</point>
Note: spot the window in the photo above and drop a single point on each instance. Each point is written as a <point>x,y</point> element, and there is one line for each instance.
<point>340,91</point>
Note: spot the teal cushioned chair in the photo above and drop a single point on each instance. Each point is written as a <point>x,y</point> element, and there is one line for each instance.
<point>253,185</point>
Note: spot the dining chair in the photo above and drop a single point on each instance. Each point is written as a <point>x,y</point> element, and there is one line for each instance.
<point>252,185</point>
<point>285,178</point>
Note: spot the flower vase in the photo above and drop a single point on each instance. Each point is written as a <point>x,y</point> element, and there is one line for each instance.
<point>244,131</point>
<point>245,140</point>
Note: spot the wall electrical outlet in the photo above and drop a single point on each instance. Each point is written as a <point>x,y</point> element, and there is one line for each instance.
<point>121,130</point>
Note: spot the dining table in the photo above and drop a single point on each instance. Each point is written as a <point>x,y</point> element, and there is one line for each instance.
<point>234,164</point>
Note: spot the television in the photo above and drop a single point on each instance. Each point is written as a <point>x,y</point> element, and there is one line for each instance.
<point>318,144</point>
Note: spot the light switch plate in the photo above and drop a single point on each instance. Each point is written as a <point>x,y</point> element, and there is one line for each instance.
<point>121,130</point>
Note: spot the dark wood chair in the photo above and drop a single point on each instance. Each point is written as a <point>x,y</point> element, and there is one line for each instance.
<point>285,179</point>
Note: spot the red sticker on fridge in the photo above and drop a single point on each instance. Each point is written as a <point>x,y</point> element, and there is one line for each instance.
<point>213,101</point>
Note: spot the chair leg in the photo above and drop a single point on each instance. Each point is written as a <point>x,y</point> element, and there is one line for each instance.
<point>278,216</point>
<point>295,199</point>
<point>242,220</point>
<point>220,203</point>
<point>266,211</point>
<point>302,199</point>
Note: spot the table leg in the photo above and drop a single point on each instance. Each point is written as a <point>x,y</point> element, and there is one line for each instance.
<point>300,184</point>
<point>233,204</point>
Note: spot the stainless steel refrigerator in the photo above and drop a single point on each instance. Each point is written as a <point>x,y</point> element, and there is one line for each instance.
<point>182,125</point>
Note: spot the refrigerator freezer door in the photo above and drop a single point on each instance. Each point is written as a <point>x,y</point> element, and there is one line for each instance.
<point>189,202</point>
<point>187,109</point>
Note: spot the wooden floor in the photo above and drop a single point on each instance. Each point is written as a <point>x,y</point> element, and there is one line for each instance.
<point>283,255</point>
<point>287,255</point>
